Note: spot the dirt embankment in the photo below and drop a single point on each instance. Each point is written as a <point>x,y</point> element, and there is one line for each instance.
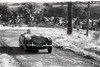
<point>88,47</point>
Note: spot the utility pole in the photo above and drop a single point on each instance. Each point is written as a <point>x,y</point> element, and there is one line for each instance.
<point>69,27</point>
<point>88,17</point>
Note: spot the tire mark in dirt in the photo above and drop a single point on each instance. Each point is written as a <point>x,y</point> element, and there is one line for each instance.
<point>9,50</point>
<point>18,51</point>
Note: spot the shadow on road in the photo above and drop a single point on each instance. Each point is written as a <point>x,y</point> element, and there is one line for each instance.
<point>20,51</point>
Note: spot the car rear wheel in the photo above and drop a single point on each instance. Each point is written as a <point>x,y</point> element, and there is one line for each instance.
<point>49,49</point>
<point>25,48</point>
<point>20,45</point>
<point>35,50</point>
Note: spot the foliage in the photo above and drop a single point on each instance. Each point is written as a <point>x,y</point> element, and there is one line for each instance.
<point>33,8</point>
<point>4,13</point>
<point>56,12</point>
<point>29,10</point>
<point>95,12</point>
<point>79,11</point>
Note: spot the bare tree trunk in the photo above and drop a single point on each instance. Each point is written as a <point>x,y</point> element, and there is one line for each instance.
<point>88,17</point>
<point>69,28</point>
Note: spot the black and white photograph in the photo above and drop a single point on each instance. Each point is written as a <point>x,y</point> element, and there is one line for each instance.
<point>50,34</point>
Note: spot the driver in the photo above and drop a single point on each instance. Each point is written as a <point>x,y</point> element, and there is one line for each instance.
<point>29,31</point>
<point>28,34</point>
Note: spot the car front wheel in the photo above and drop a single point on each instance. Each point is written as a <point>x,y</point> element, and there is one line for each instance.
<point>49,49</point>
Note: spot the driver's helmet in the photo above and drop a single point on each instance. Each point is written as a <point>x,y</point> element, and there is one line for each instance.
<point>28,31</point>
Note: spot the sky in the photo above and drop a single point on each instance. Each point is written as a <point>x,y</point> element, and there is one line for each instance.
<point>20,1</point>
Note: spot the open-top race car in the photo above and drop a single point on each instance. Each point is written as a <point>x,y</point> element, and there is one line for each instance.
<point>37,42</point>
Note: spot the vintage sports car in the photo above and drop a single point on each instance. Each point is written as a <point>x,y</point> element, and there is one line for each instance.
<point>37,42</point>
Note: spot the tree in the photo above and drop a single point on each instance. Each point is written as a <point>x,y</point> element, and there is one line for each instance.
<point>30,10</point>
<point>79,11</point>
<point>4,12</point>
<point>69,28</point>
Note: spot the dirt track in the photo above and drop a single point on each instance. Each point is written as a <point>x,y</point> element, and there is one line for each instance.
<point>60,58</point>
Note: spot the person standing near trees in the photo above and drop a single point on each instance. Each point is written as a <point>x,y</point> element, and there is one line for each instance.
<point>77,23</point>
